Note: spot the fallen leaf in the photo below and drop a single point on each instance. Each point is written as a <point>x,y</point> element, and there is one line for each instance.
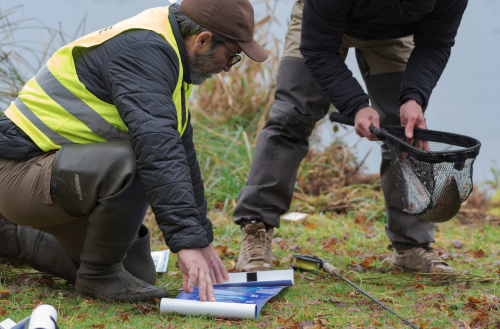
<point>424,324</point>
<point>365,263</point>
<point>280,320</point>
<point>310,225</point>
<point>330,244</point>
<point>97,325</point>
<point>457,244</point>
<point>172,273</point>
<point>478,254</point>
<point>480,317</point>
<point>420,286</point>
<point>221,250</point>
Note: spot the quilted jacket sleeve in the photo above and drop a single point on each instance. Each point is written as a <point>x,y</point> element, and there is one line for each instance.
<point>434,37</point>
<point>323,25</point>
<point>140,79</point>
<point>198,188</point>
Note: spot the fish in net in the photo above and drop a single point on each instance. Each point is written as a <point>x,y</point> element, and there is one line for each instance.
<point>433,170</point>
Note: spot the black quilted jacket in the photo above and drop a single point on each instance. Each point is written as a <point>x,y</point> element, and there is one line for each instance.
<point>434,24</point>
<point>137,71</point>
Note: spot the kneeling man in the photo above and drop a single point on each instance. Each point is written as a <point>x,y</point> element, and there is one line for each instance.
<point>102,130</point>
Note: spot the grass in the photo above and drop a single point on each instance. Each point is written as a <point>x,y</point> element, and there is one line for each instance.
<point>360,252</point>
<point>345,226</point>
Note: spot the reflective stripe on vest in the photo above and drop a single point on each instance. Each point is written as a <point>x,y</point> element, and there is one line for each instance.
<point>55,108</point>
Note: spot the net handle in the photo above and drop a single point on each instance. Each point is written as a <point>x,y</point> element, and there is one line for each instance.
<point>348,121</point>
<point>342,119</point>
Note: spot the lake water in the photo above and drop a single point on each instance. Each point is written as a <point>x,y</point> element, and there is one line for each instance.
<point>465,100</point>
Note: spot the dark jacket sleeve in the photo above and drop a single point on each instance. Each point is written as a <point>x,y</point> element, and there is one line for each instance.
<point>434,35</point>
<point>198,188</point>
<point>141,79</point>
<point>323,24</point>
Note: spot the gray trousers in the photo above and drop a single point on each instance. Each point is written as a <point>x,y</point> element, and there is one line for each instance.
<point>298,105</point>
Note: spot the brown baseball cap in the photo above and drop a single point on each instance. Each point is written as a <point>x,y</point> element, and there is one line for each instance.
<point>233,19</point>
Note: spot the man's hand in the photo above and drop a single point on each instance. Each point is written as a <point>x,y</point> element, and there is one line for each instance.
<point>195,269</point>
<point>411,116</point>
<point>364,119</point>
<point>218,272</point>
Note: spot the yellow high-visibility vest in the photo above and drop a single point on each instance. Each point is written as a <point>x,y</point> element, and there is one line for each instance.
<point>55,108</point>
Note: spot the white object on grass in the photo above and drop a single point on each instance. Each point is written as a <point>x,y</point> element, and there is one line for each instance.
<point>294,216</point>
<point>215,309</point>
<point>7,324</point>
<point>160,258</point>
<point>41,318</point>
<point>261,279</point>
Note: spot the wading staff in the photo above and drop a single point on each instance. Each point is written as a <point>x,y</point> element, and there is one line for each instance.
<point>314,263</point>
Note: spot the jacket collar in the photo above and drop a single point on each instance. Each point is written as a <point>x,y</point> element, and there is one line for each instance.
<point>180,44</point>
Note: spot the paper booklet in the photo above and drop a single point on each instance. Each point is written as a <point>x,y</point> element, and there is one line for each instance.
<point>160,258</point>
<point>242,297</point>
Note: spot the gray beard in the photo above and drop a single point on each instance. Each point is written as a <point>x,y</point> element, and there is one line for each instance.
<point>203,66</point>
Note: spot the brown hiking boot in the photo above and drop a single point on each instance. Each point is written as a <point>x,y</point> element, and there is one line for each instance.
<point>420,260</point>
<point>255,253</point>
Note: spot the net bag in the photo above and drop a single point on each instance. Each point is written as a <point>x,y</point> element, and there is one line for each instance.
<point>433,171</point>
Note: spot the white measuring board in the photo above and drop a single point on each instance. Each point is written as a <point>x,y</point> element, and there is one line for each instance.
<point>260,279</point>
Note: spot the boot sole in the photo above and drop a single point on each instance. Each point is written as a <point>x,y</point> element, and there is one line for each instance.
<point>122,299</point>
<point>411,271</point>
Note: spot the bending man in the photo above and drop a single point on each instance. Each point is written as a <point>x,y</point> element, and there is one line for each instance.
<point>402,48</point>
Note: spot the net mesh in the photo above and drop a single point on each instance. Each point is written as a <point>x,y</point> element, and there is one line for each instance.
<point>433,171</point>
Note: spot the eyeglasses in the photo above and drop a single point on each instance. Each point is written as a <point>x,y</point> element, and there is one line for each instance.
<point>234,58</point>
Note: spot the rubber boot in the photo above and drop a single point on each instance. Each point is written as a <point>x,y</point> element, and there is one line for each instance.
<point>38,249</point>
<point>100,181</point>
<point>9,240</point>
<point>139,262</point>
<point>41,251</point>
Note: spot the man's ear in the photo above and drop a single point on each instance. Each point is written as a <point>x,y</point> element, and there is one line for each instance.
<point>203,42</point>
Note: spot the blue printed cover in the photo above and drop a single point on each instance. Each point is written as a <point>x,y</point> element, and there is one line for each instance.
<point>238,294</point>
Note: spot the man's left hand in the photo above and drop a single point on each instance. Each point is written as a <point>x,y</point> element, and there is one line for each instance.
<point>218,271</point>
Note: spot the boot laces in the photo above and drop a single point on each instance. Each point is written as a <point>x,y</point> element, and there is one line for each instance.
<point>255,245</point>
<point>429,255</point>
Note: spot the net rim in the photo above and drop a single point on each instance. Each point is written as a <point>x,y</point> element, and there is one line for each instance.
<point>387,134</point>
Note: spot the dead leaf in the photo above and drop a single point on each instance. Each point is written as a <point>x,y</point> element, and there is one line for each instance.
<point>457,244</point>
<point>172,273</point>
<point>420,286</point>
<point>310,225</point>
<point>82,316</point>
<point>102,325</point>
<point>424,324</point>
<point>478,254</point>
<point>330,244</point>
<point>365,263</point>
<point>480,318</point>
<point>221,250</point>
<point>280,320</point>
